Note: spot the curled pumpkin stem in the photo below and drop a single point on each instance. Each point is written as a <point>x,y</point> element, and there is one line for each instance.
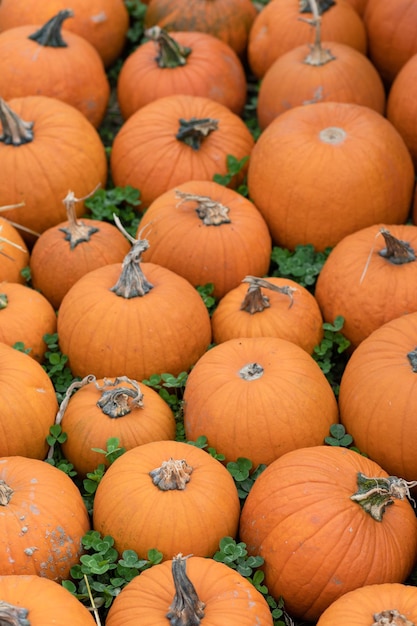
<point>186,609</point>
<point>119,401</point>
<point>50,34</point>
<point>375,494</point>
<point>210,212</point>
<point>255,301</point>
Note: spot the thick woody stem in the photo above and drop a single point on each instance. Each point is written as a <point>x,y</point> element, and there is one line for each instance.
<point>172,474</point>
<point>255,301</point>
<point>11,615</point>
<point>6,493</point>
<point>15,131</point>
<point>186,609</point>
<point>50,34</point>
<point>210,212</point>
<point>170,52</point>
<point>193,131</point>
<point>396,251</point>
<point>132,283</point>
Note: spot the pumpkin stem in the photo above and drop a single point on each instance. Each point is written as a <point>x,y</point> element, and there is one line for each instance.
<point>186,609</point>
<point>170,52</point>
<point>11,615</point>
<point>4,301</point>
<point>305,6</point>
<point>173,474</point>
<point>210,212</point>
<point>132,282</point>
<point>318,55</point>
<point>193,131</point>
<point>255,301</point>
<point>251,371</point>
<point>412,357</point>
<point>77,231</point>
<point>115,402</point>
<point>6,493</point>
<point>394,617</point>
<point>375,494</point>
<point>15,131</point>
<point>396,251</point>
<point>50,34</point>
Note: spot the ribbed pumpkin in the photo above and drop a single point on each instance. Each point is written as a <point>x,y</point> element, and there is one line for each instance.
<point>258,398</point>
<point>105,408</point>
<point>377,392</point>
<point>176,139</point>
<point>70,249</point>
<point>387,603</point>
<point>190,62</point>
<point>43,60</point>
<point>228,20</point>
<point>167,495</point>
<point>271,307</point>
<point>359,6</point>
<point>278,28</point>
<point>25,317</point>
<point>132,319</point>
<point>42,510</point>
<point>41,602</point>
<point>315,512</point>
<point>368,279</point>
<point>390,28</point>
<point>104,23</point>
<point>187,590</point>
<point>14,254</point>
<point>321,72</point>
<point>46,145</point>
<point>28,405</point>
<point>207,233</point>
<point>320,172</point>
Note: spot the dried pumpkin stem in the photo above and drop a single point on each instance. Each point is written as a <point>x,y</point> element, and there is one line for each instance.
<point>393,617</point>
<point>173,474</point>
<point>396,251</point>
<point>375,494</point>
<point>4,301</point>
<point>318,55</point>
<point>77,231</point>
<point>170,52</point>
<point>11,615</point>
<point>132,283</point>
<point>193,131</point>
<point>50,34</point>
<point>186,609</point>
<point>251,371</point>
<point>412,357</point>
<point>210,212</point>
<point>16,132</point>
<point>119,401</point>
<point>6,493</point>
<point>255,301</point>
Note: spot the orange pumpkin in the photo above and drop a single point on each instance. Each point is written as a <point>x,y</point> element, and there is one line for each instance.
<point>121,408</point>
<point>359,6</point>
<point>272,307</point>
<point>167,495</point>
<point>189,588</point>
<point>45,145</point>
<point>278,28</point>
<point>28,405</point>
<point>320,172</point>
<point>190,62</point>
<point>387,603</point>
<point>41,600</point>
<point>104,23</point>
<point>14,254</point>
<point>377,396</point>
<point>207,233</point>
<point>43,510</point>
<point>70,249</point>
<point>128,319</point>
<point>313,513</point>
<point>228,20</point>
<point>176,139</point>
<point>45,61</point>
<point>368,278</point>
<point>258,398</point>
<point>25,317</point>
<point>390,27</point>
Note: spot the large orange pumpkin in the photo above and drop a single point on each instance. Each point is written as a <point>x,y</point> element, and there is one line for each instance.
<point>189,62</point>
<point>104,23</point>
<point>46,61</point>
<point>322,171</point>
<point>368,279</point>
<point>167,495</point>
<point>128,319</point>
<point>258,398</point>
<point>41,601</point>
<point>45,146</point>
<point>43,519</point>
<point>28,405</point>
<point>14,254</point>
<point>189,588</point>
<point>207,233</point>
<point>328,520</point>
<point>175,139</point>
<point>229,20</point>
<point>120,408</point>
<point>377,393</point>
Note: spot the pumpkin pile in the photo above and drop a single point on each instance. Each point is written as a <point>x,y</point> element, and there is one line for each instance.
<point>208,319</point>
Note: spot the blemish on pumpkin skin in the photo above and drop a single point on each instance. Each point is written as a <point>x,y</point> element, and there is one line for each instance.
<point>41,390</point>
<point>29,551</point>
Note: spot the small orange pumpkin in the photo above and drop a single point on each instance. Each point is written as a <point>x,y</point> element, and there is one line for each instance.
<point>14,254</point>
<point>43,510</point>
<point>167,495</point>
<point>315,511</point>
<point>258,398</point>
<point>121,408</point>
